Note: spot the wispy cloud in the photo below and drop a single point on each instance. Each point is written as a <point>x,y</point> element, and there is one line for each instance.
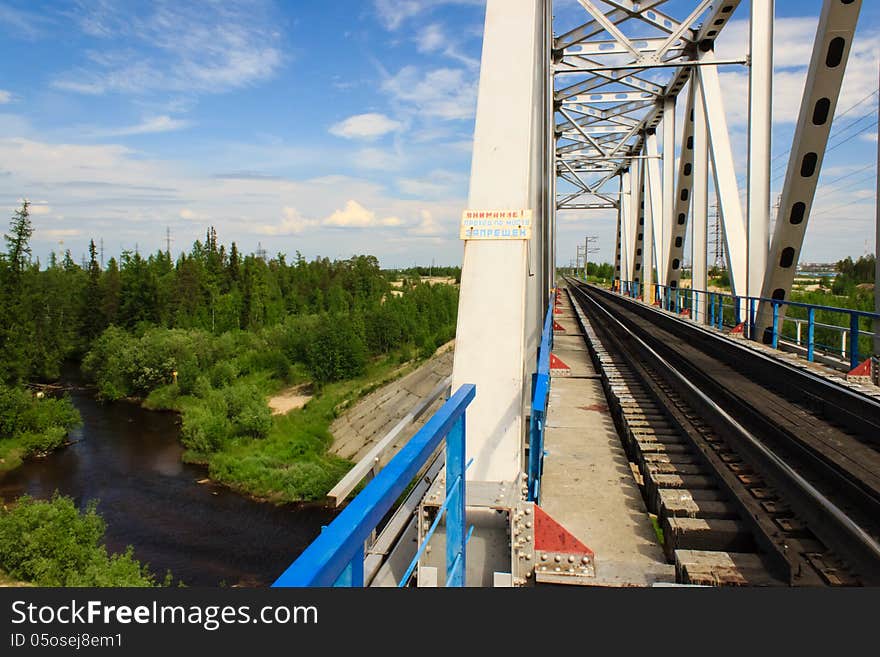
<point>365,126</point>
<point>431,38</point>
<point>23,24</point>
<point>147,126</point>
<point>206,48</point>
<point>446,93</point>
<point>393,13</point>
<point>793,39</point>
<point>5,97</point>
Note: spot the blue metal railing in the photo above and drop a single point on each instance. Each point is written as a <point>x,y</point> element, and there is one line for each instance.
<point>711,307</point>
<point>540,394</point>
<point>336,556</point>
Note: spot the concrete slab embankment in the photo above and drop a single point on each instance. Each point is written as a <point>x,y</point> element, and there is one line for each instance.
<point>365,423</point>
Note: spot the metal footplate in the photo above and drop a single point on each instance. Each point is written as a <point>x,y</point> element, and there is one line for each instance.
<point>544,552</point>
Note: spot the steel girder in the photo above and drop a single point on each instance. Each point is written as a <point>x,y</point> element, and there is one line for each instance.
<point>617,78</point>
<point>834,36</point>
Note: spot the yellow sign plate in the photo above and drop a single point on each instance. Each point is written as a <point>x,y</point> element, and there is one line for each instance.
<point>496,225</point>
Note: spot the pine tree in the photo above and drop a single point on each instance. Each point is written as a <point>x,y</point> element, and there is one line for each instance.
<point>18,242</point>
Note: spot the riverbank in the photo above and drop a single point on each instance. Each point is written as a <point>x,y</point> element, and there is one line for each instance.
<point>292,461</point>
<point>130,460</point>
<point>31,425</point>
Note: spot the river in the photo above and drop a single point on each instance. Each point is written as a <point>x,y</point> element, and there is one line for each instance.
<point>128,458</point>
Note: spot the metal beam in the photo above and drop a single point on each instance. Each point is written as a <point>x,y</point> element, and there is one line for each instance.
<point>639,225</point>
<point>699,271</point>
<point>668,125</point>
<point>506,172</point>
<point>725,175</point>
<point>834,36</point>
<point>654,213</point>
<point>685,188</point>
<point>760,117</point>
<point>623,222</point>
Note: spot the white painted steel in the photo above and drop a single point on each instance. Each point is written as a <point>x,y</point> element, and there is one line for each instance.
<point>699,271</point>
<point>626,237</point>
<point>760,115</point>
<point>684,189</point>
<point>654,213</point>
<point>834,36</point>
<point>668,186</point>
<point>725,175</point>
<point>498,318</point>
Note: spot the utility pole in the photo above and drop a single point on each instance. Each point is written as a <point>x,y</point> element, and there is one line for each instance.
<point>588,250</point>
<point>877,263</point>
<point>168,241</point>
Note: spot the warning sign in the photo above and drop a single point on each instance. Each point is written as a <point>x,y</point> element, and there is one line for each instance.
<point>496,225</point>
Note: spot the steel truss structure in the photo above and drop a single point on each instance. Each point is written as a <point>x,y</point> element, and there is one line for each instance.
<point>618,79</point>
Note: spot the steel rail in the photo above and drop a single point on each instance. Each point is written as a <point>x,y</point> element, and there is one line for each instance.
<point>868,546</point>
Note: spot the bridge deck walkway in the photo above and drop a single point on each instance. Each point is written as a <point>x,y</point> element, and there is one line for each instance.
<point>587,484</point>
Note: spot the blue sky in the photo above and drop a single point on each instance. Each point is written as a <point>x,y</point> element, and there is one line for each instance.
<point>331,128</point>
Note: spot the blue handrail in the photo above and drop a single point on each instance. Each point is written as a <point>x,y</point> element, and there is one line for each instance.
<point>336,556</point>
<point>714,312</point>
<point>540,394</point>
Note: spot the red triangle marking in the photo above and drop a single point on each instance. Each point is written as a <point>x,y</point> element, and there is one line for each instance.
<point>863,369</point>
<point>553,537</point>
<point>556,363</point>
<point>686,312</point>
<point>557,326</point>
<point>739,328</point>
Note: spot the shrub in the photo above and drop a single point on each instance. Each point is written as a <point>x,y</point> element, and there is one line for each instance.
<point>247,411</point>
<point>51,543</point>
<point>204,430</point>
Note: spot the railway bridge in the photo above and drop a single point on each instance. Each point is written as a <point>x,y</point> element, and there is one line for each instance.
<point>652,430</point>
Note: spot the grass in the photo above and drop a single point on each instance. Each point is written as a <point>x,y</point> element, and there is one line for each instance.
<point>291,463</point>
<point>657,528</point>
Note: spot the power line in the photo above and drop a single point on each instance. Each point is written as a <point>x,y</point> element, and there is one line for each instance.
<point>837,133</point>
<point>843,205</point>
<point>852,136</point>
<point>831,148</point>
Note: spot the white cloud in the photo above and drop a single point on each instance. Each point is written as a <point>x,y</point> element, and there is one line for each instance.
<point>354,215</point>
<point>428,227</point>
<point>111,192</point>
<point>393,13</point>
<point>436,184</point>
<point>376,159</point>
<point>365,126</point>
<point>445,93</point>
<point>147,126</point>
<point>793,39</point>
<point>37,208</point>
<point>869,136</point>
<point>56,233</point>
<point>209,47</point>
<point>431,38</point>
<point>5,97</point>
<point>292,223</point>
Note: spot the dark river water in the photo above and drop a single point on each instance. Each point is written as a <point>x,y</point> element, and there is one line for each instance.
<point>129,459</point>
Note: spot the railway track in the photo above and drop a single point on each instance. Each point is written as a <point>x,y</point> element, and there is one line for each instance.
<point>758,473</point>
